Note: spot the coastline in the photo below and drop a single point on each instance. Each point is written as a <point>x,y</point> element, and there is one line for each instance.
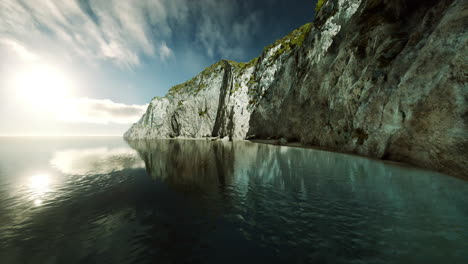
<point>299,145</point>
<point>389,162</point>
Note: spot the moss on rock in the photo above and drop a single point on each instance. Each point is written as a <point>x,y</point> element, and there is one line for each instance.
<point>294,39</point>
<point>319,5</point>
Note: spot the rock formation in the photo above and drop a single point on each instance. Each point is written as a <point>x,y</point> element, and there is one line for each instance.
<point>379,78</point>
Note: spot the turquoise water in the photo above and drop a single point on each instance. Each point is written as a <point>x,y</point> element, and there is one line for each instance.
<point>102,200</point>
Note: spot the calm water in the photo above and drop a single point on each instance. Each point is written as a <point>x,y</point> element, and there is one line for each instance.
<point>101,200</point>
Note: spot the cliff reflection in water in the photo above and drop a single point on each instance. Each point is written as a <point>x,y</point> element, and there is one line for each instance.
<point>189,165</point>
<point>199,201</point>
<point>235,168</point>
<point>314,204</point>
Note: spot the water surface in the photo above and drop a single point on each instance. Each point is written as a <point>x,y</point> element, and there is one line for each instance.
<point>101,200</point>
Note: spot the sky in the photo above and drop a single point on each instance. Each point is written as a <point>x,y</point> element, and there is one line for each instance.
<point>90,67</point>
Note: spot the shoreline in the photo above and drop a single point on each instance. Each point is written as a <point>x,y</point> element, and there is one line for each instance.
<point>389,162</point>
<point>299,145</point>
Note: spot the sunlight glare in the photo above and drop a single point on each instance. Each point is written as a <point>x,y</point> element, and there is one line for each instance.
<point>42,86</point>
<point>38,202</point>
<point>39,183</point>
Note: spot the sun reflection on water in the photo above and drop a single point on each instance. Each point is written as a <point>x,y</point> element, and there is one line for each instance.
<point>38,202</point>
<point>39,184</point>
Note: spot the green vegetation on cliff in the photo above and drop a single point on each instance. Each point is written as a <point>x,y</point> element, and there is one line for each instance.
<point>243,65</point>
<point>292,40</point>
<point>287,43</point>
<point>319,5</point>
<point>192,85</point>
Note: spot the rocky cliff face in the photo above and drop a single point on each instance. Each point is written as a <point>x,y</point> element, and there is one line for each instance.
<point>219,101</point>
<point>214,103</point>
<point>379,78</point>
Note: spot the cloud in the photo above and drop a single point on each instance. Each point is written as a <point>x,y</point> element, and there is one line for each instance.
<point>113,30</point>
<point>228,27</point>
<point>124,32</point>
<point>20,50</point>
<point>86,110</point>
<point>164,51</point>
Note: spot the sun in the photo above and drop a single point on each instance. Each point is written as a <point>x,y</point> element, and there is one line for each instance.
<point>42,87</point>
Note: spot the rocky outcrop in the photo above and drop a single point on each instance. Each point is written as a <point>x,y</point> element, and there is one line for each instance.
<point>379,78</point>
<point>213,103</point>
<point>219,101</point>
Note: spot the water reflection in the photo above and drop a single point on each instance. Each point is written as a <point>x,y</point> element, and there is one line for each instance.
<point>190,165</point>
<point>39,185</point>
<point>39,174</point>
<point>197,201</point>
<point>37,202</point>
<point>289,199</point>
<point>211,167</point>
<point>92,161</point>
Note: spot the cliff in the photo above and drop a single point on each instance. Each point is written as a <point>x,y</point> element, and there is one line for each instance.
<point>219,101</point>
<point>379,78</point>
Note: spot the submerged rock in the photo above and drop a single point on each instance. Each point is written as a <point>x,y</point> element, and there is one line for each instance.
<point>384,79</point>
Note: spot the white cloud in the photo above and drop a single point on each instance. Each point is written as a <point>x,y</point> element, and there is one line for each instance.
<point>86,110</point>
<point>124,31</point>
<point>114,30</point>
<point>164,51</point>
<point>20,50</point>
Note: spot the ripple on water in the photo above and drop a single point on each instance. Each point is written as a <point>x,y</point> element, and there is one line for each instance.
<point>217,202</point>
